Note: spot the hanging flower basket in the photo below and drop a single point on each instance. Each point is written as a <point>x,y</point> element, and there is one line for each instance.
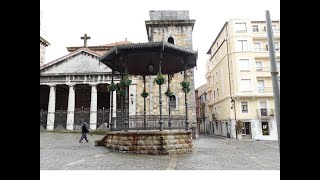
<point>159,79</point>
<point>112,87</point>
<point>186,90</point>
<point>126,81</point>
<point>185,84</point>
<point>144,94</point>
<point>168,93</point>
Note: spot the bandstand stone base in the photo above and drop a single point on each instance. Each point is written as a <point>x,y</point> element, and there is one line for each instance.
<point>149,142</point>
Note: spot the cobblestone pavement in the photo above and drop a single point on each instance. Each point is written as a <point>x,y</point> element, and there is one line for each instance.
<point>62,151</point>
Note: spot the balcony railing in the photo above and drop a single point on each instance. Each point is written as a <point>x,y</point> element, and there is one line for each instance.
<point>264,49</point>
<point>265,112</point>
<point>264,30</point>
<point>264,69</point>
<point>264,89</point>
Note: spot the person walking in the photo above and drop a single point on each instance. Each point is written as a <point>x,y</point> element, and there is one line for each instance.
<point>84,133</point>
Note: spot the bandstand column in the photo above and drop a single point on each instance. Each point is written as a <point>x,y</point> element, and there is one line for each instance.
<point>71,105</point>
<point>93,107</point>
<point>51,107</point>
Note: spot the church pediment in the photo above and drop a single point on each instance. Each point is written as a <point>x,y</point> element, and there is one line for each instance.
<point>82,61</point>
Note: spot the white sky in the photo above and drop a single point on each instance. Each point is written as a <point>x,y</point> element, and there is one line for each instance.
<point>106,21</point>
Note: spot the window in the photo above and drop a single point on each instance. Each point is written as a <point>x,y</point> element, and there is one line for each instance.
<point>267,49</point>
<point>265,128</point>
<point>244,65</point>
<point>241,26</point>
<point>172,102</point>
<point>260,85</point>
<point>263,108</point>
<point>214,94</point>
<point>217,92</point>
<point>257,47</point>
<point>274,27</point>
<point>278,65</point>
<point>244,107</point>
<point>245,84</point>
<point>242,45</point>
<point>258,66</point>
<point>171,40</point>
<point>255,28</point>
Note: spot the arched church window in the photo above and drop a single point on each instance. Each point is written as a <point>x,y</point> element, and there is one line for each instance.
<point>172,101</point>
<point>171,40</point>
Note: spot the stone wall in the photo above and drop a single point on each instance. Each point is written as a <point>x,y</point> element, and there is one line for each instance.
<point>149,142</point>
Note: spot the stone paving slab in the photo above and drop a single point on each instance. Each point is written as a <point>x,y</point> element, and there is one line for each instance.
<point>62,151</point>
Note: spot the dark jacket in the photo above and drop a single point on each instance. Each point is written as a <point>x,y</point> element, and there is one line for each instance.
<point>84,129</point>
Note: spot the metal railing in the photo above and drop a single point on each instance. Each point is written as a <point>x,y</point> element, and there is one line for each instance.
<point>264,49</point>
<point>81,115</point>
<point>264,30</point>
<point>148,122</point>
<point>264,69</point>
<point>264,89</point>
<point>263,112</point>
<point>103,118</point>
<point>60,119</point>
<point>43,118</point>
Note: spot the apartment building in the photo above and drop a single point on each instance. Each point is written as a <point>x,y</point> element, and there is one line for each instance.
<point>239,83</point>
<point>202,119</point>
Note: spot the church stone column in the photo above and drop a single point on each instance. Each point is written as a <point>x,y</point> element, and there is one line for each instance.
<point>51,107</point>
<point>93,107</point>
<point>71,105</point>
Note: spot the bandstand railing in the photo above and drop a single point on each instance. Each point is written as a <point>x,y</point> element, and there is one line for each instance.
<point>136,122</point>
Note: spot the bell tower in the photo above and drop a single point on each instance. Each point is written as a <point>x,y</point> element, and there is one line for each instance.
<point>171,26</point>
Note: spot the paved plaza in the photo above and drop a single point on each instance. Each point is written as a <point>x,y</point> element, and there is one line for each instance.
<point>62,151</point>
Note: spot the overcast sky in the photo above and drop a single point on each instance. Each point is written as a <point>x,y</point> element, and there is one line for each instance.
<point>106,21</point>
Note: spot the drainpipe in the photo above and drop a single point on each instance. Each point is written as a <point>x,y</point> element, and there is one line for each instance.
<point>232,100</point>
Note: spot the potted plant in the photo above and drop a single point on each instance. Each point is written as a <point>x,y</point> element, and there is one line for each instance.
<point>144,94</point>
<point>159,79</point>
<point>239,126</point>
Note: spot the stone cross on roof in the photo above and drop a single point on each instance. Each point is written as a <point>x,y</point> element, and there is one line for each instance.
<point>85,38</point>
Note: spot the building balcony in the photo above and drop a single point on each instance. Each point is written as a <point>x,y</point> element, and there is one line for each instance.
<point>265,89</point>
<point>265,113</point>
<point>263,72</point>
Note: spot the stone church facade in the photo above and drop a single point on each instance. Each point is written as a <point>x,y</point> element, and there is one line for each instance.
<point>73,88</point>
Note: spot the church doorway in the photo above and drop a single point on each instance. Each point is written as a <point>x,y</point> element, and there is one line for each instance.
<point>103,106</point>
<point>61,107</point>
<point>82,105</point>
